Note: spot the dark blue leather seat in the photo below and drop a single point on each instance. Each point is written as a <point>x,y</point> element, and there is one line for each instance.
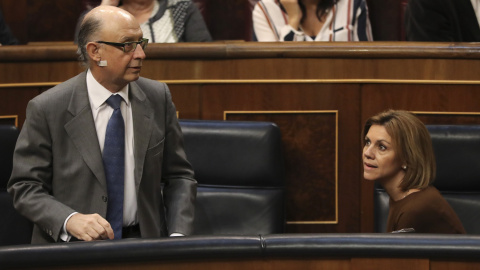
<point>240,174</point>
<point>14,228</point>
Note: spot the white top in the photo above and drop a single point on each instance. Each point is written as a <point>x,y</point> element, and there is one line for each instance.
<point>346,21</point>
<point>97,94</point>
<point>163,28</point>
<point>476,8</point>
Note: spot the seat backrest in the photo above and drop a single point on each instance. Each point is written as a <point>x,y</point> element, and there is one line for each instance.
<point>240,174</point>
<point>14,228</point>
<point>457,153</point>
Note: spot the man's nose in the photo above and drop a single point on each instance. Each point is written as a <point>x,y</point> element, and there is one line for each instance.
<point>139,53</point>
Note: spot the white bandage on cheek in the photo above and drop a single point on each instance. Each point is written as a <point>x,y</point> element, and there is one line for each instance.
<point>102,63</point>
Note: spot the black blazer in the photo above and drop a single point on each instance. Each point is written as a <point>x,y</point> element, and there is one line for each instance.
<point>441,20</point>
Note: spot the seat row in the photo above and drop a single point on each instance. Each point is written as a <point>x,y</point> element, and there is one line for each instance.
<point>238,166</point>
<point>241,178</point>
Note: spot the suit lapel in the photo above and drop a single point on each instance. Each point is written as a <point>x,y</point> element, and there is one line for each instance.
<point>142,128</point>
<point>81,129</point>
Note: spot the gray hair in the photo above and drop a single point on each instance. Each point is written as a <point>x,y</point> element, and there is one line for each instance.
<point>89,27</point>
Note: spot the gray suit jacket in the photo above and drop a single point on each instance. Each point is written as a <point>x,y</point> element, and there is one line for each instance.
<point>58,167</point>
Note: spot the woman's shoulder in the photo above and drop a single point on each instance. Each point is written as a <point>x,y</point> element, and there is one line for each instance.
<point>431,193</point>
<point>432,213</point>
<point>270,10</point>
<point>426,196</point>
<point>268,4</point>
<point>428,201</point>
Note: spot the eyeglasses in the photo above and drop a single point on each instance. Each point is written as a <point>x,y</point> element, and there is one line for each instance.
<point>128,46</point>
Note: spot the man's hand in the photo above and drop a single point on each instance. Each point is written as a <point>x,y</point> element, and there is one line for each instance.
<point>89,227</point>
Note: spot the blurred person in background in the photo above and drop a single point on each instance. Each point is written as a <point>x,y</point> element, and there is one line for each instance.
<point>443,20</point>
<point>6,36</point>
<point>164,21</point>
<point>311,20</point>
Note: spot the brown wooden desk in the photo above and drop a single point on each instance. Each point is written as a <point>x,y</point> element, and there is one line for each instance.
<point>319,94</point>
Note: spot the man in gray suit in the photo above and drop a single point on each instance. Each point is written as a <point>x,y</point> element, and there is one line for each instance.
<point>59,180</point>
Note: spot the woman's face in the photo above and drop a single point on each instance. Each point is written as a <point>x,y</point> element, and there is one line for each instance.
<point>380,160</point>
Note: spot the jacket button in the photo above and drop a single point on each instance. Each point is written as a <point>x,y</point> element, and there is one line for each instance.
<point>105,198</point>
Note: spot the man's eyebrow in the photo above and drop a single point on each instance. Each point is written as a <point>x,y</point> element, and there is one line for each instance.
<point>126,39</point>
<point>130,39</point>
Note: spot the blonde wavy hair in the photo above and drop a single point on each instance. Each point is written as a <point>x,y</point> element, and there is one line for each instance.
<point>412,144</point>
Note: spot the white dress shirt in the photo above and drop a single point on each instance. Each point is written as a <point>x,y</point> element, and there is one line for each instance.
<point>101,111</point>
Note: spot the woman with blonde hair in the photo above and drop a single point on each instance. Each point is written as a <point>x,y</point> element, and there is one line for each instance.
<point>398,154</point>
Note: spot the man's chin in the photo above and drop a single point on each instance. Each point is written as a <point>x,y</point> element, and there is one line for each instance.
<point>133,77</point>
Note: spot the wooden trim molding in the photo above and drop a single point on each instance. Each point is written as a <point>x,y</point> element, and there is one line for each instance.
<point>287,81</point>
<point>6,118</point>
<point>241,49</point>
<point>294,112</point>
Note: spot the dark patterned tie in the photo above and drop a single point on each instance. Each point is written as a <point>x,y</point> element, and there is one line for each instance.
<point>114,164</point>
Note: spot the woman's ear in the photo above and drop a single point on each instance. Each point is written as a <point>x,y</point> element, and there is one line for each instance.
<point>93,50</point>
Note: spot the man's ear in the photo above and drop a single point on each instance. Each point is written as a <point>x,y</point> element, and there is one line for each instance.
<point>93,50</point>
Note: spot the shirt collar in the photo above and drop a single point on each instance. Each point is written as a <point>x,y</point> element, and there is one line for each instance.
<point>99,94</point>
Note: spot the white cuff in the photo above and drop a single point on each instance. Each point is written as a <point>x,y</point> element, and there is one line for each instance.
<point>65,236</point>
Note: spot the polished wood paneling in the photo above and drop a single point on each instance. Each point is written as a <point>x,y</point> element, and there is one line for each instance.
<point>225,264</point>
<point>310,140</point>
<point>454,265</point>
<point>186,98</point>
<point>389,263</point>
<point>38,72</point>
<point>285,263</point>
<point>310,152</point>
<point>374,62</point>
<point>12,99</point>
<point>9,120</point>
<point>449,118</point>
